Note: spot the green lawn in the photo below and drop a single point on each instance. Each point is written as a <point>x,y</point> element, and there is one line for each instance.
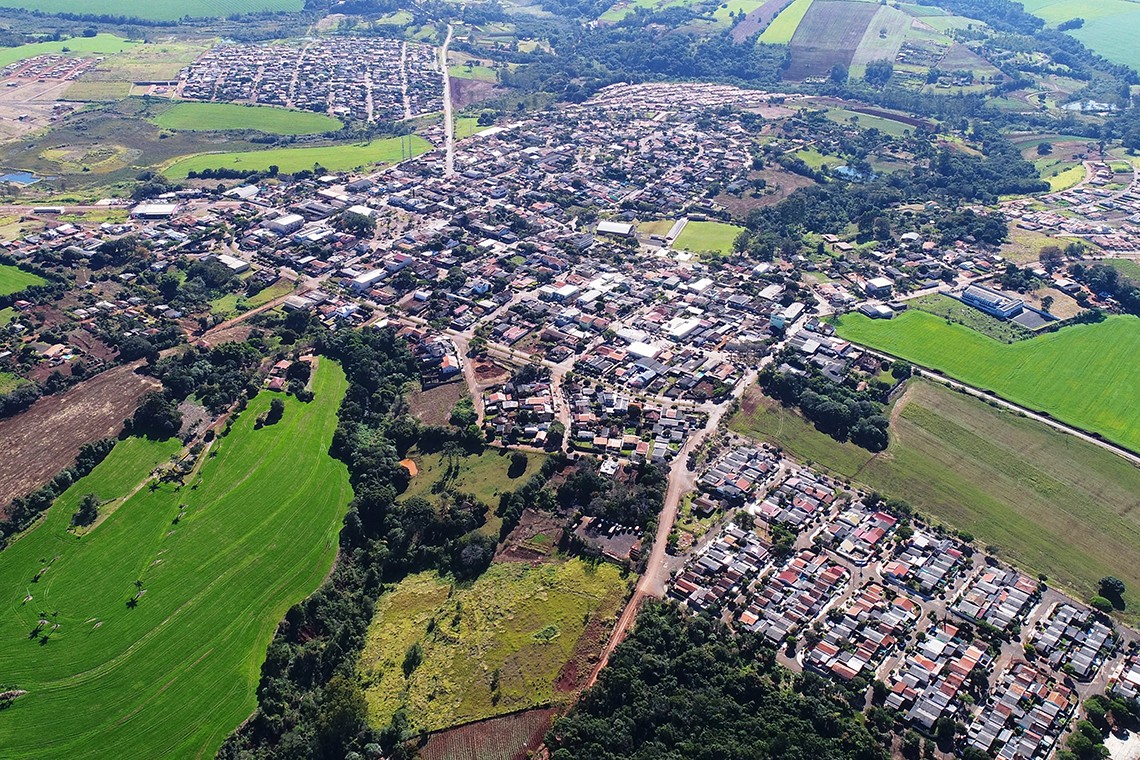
<point>713,237</point>
<point>518,621</point>
<point>13,279</point>
<point>480,73</point>
<point>288,160</point>
<point>780,31</point>
<point>868,121</point>
<point>205,117</point>
<point>1048,501</point>
<point>100,44</point>
<point>465,126</point>
<point>963,314</point>
<point>173,676</point>
<point>485,475</point>
<point>10,382</point>
<point>1085,375</point>
<point>1126,267</point>
<point>158,10</point>
<point>1065,178</point>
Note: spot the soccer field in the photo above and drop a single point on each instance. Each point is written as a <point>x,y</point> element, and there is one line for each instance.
<point>1085,375</point>
<point>708,237</point>
<point>220,560</point>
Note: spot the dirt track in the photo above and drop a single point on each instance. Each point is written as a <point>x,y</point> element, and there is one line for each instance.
<point>45,439</point>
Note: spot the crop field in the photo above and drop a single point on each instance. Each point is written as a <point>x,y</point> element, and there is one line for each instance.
<point>784,26</point>
<point>829,34</point>
<point>100,44</point>
<point>13,280</point>
<point>216,117</point>
<point>712,237</point>
<point>976,319</point>
<point>1085,375</point>
<point>493,648</point>
<point>884,36</point>
<point>168,666</point>
<point>159,10</point>
<point>1110,29</point>
<point>331,157</point>
<point>510,737</point>
<point>1047,501</point>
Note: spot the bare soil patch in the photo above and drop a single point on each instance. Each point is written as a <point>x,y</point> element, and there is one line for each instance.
<point>466,92</point>
<point>45,439</point>
<point>534,539</point>
<point>511,737</point>
<point>433,406</point>
<point>487,371</point>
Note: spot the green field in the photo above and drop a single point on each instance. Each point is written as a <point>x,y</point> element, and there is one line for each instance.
<point>175,674</point>
<point>780,31</point>
<point>869,121</point>
<point>484,476</point>
<point>1110,28</point>
<point>206,117</point>
<point>480,73</point>
<point>1085,375</point>
<point>517,620</point>
<point>1126,267</point>
<point>1065,178</point>
<point>1047,500</point>
<point>976,319</point>
<point>10,382</point>
<point>158,10</point>
<point>13,279</point>
<point>712,237</point>
<point>288,160</point>
<point>100,44</point>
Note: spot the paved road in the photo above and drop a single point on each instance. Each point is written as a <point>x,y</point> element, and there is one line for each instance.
<point>448,121</point>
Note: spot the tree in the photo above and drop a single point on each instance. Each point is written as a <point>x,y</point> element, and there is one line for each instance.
<point>276,412</point>
<point>518,464</point>
<point>342,715</point>
<point>1044,148</point>
<point>1047,303</point>
<point>137,347</point>
<point>1052,257</point>
<point>157,417</point>
<point>901,369</point>
<point>357,224</point>
<point>838,74</point>
<point>412,659</point>
<point>1101,604</point>
<point>1111,586</point>
<point>878,73</point>
<point>88,510</point>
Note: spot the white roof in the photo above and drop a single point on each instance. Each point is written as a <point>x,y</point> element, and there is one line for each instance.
<point>615,228</point>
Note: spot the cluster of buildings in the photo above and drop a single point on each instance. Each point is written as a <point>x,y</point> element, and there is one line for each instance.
<point>362,79</point>
<point>735,475</point>
<point>925,564</point>
<point>1073,640</point>
<point>49,66</point>
<point>1024,716</point>
<point>928,684</point>
<point>859,637</point>
<point>793,596</point>
<point>720,573</point>
<point>801,498</point>
<point>999,596</point>
<point>858,533</point>
<point>519,412</point>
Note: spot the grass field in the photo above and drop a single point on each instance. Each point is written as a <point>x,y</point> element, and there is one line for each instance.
<point>1048,501</point>
<point>1126,267</point>
<point>159,10</point>
<point>206,117</point>
<point>175,674</point>
<point>112,78</point>
<point>956,311</point>
<point>465,126</point>
<point>1085,375</point>
<point>780,31</point>
<point>331,157</point>
<point>480,73</point>
<point>13,280</point>
<point>712,237</point>
<point>1110,27</point>
<point>100,44</point>
<point>10,382</point>
<point>484,476</point>
<point>518,625</point>
<point>869,121</point>
<point>1065,178</point>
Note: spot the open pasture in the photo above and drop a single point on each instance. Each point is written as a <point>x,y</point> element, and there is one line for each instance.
<point>331,157</point>
<point>13,280</point>
<point>165,606</point>
<point>1110,28</point>
<point>220,117</point>
<point>1085,375</point>
<point>493,648</point>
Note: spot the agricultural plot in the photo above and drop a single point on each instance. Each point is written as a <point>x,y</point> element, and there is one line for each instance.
<point>955,311</point>
<point>1085,375</point>
<point>13,280</point>
<point>1110,29</point>
<point>158,616</point>
<point>218,117</point>
<point>783,27</point>
<point>708,237</point>
<point>288,160</point>
<point>1045,500</point>
<point>160,10</point>
<point>493,648</point>
<point>113,77</point>
<point>882,40</point>
<point>829,34</point>
<point>100,44</point>
<point>756,19</point>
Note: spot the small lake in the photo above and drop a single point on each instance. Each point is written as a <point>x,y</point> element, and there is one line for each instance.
<point>21,178</point>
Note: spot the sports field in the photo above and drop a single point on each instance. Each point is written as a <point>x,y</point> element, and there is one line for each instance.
<point>288,160</point>
<point>711,237</point>
<point>493,648</point>
<point>1085,375</point>
<point>219,561</point>
<point>204,117</point>
<point>13,280</point>
<point>101,44</point>
<point>158,10</point>
<point>1048,501</point>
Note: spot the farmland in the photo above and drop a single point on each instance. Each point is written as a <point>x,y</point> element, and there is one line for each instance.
<point>218,563</point>
<point>784,26</point>
<point>1110,27</point>
<point>495,647</point>
<point>869,121</point>
<point>828,35</point>
<point>1085,375</point>
<point>13,280</point>
<point>713,237</point>
<point>1045,500</point>
<point>159,10</point>
<point>331,157</point>
<point>225,116</point>
<point>505,738</point>
<point>100,44</point>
